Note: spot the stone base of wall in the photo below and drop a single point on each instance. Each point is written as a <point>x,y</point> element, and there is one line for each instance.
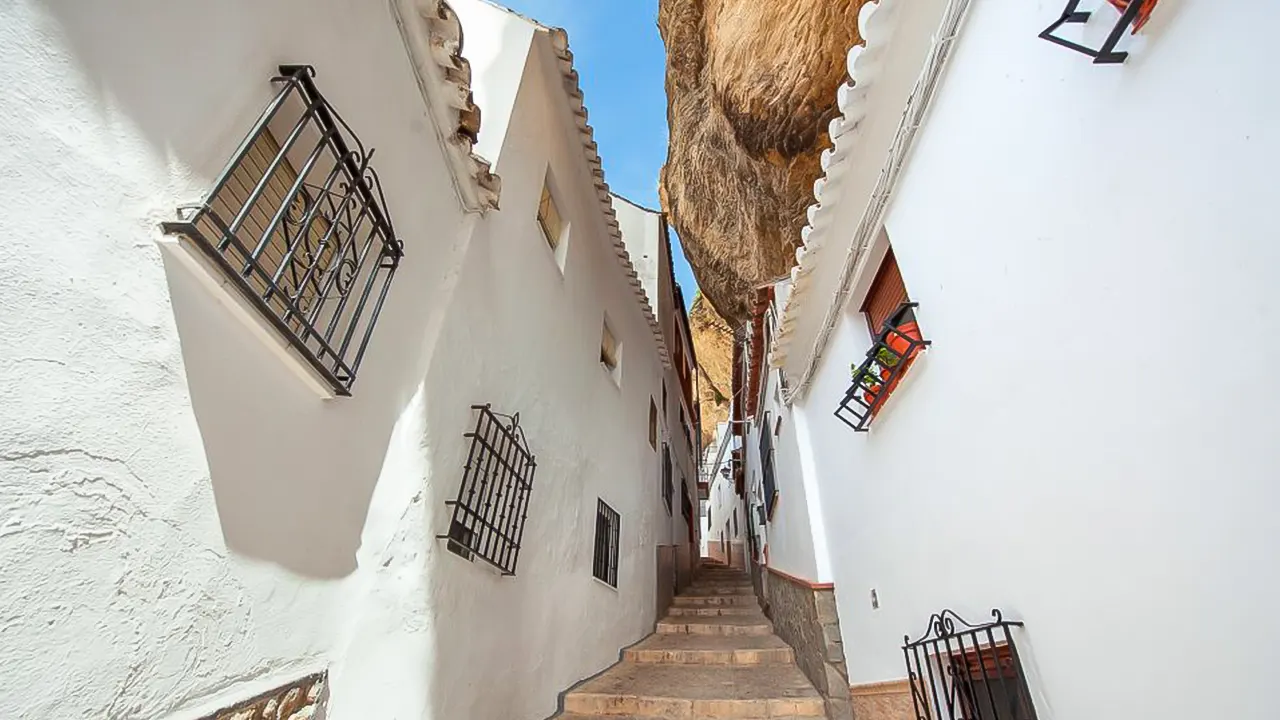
<point>302,699</point>
<point>804,615</point>
<point>883,701</point>
<point>686,560</point>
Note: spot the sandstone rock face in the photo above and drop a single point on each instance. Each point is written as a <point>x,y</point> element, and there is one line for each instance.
<point>713,344</point>
<point>751,87</point>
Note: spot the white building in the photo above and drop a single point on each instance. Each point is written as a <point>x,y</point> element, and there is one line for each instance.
<point>208,499</point>
<point>1075,448</point>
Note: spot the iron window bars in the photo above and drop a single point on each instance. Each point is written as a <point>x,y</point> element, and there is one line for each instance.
<point>297,222</point>
<point>1105,55</point>
<point>493,500</point>
<point>768,481</point>
<point>668,488</point>
<point>884,367</point>
<point>686,506</point>
<point>959,671</point>
<point>605,563</point>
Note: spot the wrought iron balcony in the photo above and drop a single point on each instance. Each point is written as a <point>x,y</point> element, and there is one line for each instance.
<point>297,223</point>
<point>1132,12</point>
<point>886,364</point>
<point>493,500</point>
<point>959,671</point>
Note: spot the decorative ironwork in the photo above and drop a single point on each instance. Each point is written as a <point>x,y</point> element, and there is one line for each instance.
<point>668,488</point>
<point>297,223</point>
<point>605,562</point>
<point>493,500</point>
<point>686,507</point>
<point>960,671</point>
<point>768,481</point>
<point>884,367</point>
<point>1133,12</point>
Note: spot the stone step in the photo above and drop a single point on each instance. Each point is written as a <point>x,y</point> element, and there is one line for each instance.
<point>696,589</point>
<point>696,692</point>
<point>754,624</point>
<point>576,716</point>
<point>690,600</point>
<point>713,610</point>
<point>681,649</point>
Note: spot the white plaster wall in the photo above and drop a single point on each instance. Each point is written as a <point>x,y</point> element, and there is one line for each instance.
<point>181,516</point>
<point>491,36</point>
<point>182,522</point>
<point>489,646</point>
<point>1089,444</point>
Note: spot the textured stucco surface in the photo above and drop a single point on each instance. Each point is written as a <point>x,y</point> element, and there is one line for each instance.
<point>183,524</point>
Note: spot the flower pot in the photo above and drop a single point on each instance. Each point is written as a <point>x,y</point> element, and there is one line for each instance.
<point>900,344</point>
<point>885,373</point>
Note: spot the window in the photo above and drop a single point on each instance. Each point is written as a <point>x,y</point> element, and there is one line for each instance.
<point>605,564</point>
<point>493,499</point>
<point>297,223</point>
<point>668,489</point>
<point>549,217</point>
<point>886,295</point>
<point>664,397</point>
<point>653,424</point>
<point>735,522</point>
<point>766,470</point>
<point>610,351</point>
<point>983,677</point>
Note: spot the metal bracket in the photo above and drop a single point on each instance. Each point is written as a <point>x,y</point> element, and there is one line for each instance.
<point>1106,55</point>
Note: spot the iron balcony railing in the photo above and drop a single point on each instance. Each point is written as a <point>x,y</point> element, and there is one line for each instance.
<point>492,505</point>
<point>297,223</point>
<point>959,671</point>
<point>884,367</point>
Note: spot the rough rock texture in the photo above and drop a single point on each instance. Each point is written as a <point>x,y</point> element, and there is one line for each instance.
<point>713,344</point>
<point>807,620</point>
<point>751,88</point>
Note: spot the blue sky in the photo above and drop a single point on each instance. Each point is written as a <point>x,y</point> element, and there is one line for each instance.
<point>621,62</point>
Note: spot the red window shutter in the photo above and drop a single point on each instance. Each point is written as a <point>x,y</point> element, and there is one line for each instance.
<point>887,294</point>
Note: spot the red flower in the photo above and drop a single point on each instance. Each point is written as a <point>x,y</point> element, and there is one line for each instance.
<point>1143,15</point>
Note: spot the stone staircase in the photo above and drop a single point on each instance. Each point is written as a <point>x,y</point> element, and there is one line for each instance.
<point>714,656</point>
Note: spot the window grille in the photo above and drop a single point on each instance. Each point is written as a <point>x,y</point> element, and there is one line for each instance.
<point>605,565</point>
<point>1133,13</point>
<point>686,507</point>
<point>297,222</point>
<point>668,489</point>
<point>653,424</point>
<point>493,500</point>
<point>959,671</point>
<point>884,367</point>
<point>768,481</point>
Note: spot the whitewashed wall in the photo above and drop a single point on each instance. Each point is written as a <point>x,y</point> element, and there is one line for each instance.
<point>1089,444</point>
<point>182,522</point>
<point>181,515</point>
<point>528,340</point>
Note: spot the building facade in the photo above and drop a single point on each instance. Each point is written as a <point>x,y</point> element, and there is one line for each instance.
<point>293,424</point>
<point>989,364</point>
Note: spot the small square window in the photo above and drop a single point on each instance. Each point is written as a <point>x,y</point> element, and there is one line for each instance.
<point>653,424</point>
<point>610,351</point>
<point>549,218</point>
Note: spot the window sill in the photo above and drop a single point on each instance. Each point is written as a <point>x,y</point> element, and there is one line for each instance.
<point>604,584</point>
<point>185,251</point>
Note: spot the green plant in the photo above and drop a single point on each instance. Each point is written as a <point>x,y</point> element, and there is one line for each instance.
<point>884,357</point>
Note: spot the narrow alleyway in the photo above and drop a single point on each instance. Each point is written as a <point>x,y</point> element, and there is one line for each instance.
<point>714,656</point>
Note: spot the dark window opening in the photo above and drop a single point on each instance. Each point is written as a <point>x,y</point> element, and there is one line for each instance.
<point>766,469</point>
<point>886,295</point>
<point>605,564</point>
<point>668,488</point>
<point>298,223</point>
